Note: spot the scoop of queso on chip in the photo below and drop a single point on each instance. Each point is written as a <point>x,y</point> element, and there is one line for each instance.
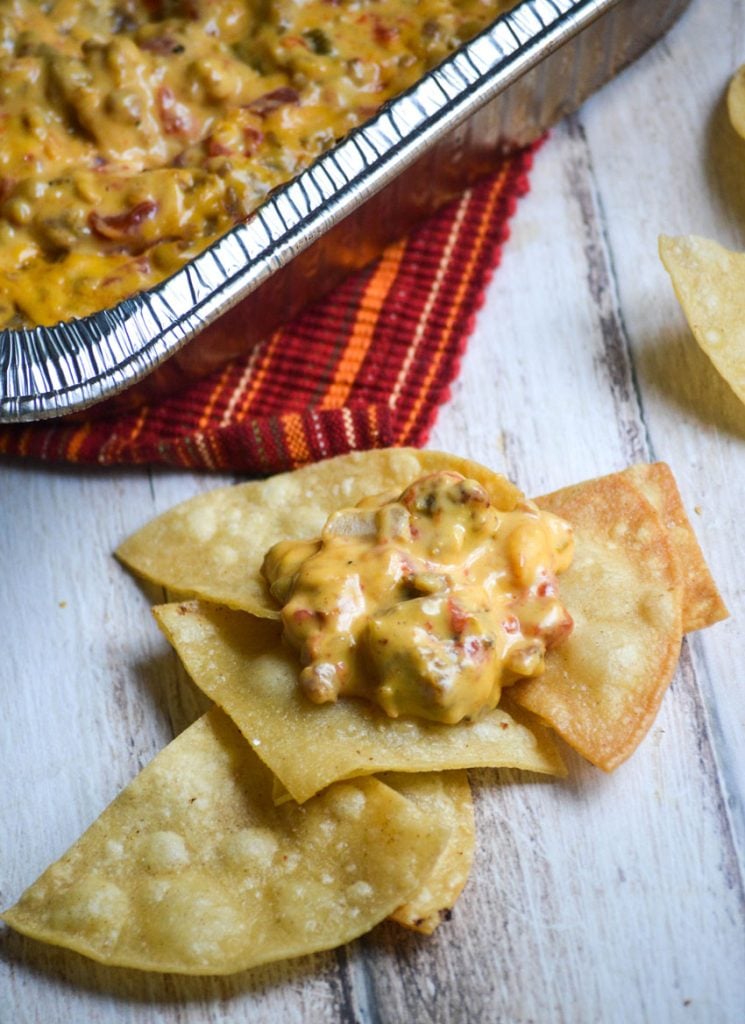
<point>426,602</point>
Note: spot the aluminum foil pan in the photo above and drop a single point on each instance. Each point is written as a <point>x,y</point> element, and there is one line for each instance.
<point>503,89</point>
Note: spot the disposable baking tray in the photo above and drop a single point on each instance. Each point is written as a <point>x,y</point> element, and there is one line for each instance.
<point>503,89</point>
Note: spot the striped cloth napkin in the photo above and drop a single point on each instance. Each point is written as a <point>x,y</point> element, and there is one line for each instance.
<point>367,366</point>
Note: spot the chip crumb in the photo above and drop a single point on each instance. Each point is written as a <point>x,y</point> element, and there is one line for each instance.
<point>289,862</point>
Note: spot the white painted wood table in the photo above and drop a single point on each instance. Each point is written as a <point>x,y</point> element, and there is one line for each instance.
<point>598,899</point>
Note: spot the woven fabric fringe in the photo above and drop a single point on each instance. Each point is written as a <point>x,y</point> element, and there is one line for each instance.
<point>367,366</point>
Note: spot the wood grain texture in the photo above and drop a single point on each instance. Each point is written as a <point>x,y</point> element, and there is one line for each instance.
<point>598,899</point>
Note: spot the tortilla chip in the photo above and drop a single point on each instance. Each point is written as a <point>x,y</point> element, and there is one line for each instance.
<point>239,661</point>
<point>702,602</point>
<point>212,546</point>
<point>710,284</point>
<point>446,797</point>
<point>345,480</point>
<point>603,685</point>
<point>736,101</point>
<point>443,797</point>
<point>193,870</point>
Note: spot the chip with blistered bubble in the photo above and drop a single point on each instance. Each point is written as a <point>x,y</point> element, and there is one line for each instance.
<point>709,282</point>
<point>193,869</point>
<point>240,662</point>
<point>702,603</point>
<point>212,546</point>
<point>444,797</point>
<point>206,863</point>
<point>622,665</point>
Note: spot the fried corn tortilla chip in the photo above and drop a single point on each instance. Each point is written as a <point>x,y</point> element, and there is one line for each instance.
<point>212,546</point>
<point>702,602</point>
<point>603,685</point>
<point>154,552</point>
<point>444,797</point>
<point>736,101</point>
<point>196,868</point>
<point>239,661</point>
<point>709,281</point>
<point>192,869</point>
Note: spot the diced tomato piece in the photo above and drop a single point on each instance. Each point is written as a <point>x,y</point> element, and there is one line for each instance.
<point>174,117</point>
<point>215,148</point>
<point>475,647</point>
<point>122,225</point>
<point>384,34</point>
<point>302,615</point>
<point>161,44</point>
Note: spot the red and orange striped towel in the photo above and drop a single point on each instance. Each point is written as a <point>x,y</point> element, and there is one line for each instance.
<point>366,366</point>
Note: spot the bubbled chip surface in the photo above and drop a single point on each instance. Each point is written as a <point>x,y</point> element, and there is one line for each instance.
<point>239,661</point>
<point>193,869</point>
<point>212,546</point>
<point>445,797</point>
<point>603,685</point>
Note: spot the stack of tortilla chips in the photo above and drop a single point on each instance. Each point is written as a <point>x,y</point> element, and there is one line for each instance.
<point>274,827</point>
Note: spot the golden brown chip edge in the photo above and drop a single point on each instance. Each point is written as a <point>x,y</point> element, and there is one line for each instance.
<point>544,694</point>
<point>325,476</point>
<point>702,603</point>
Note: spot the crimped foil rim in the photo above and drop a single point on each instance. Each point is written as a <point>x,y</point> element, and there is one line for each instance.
<point>50,371</point>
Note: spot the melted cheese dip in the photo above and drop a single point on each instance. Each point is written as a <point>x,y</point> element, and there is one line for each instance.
<point>135,132</point>
<point>426,603</point>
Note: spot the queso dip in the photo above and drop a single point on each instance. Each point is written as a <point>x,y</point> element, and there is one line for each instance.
<point>135,132</point>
